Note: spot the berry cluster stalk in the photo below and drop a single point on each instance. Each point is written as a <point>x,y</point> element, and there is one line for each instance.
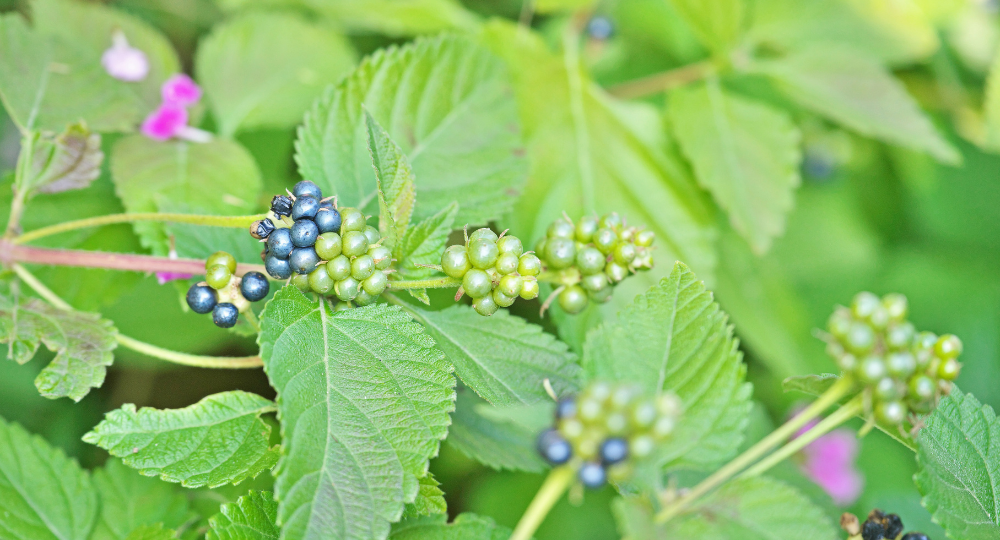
<point>555,485</point>
<point>236,222</point>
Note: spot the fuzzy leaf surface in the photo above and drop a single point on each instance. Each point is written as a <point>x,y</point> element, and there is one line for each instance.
<point>423,243</point>
<point>363,400</point>
<point>675,338</point>
<point>71,160</point>
<point>744,152</point>
<point>430,499</point>
<point>397,193</point>
<point>264,70</point>
<point>219,440</point>
<point>717,24</point>
<point>253,517</point>
<point>130,501</point>
<point>958,467</point>
<point>82,342</point>
<point>446,102</point>
<point>494,442</point>
<point>465,527</point>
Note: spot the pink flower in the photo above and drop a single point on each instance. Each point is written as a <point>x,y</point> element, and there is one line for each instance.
<point>180,90</point>
<point>165,277</point>
<point>123,61</point>
<point>829,462</point>
<point>167,121</point>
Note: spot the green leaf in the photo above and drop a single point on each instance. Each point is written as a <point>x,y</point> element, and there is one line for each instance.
<point>172,444</point>
<point>757,508</point>
<point>264,70</point>
<point>465,527</point>
<point>492,441</point>
<point>744,152</point>
<point>70,160</point>
<point>43,494</point>
<point>552,6</point>
<point>363,399</point>
<point>502,358</point>
<point>814,385</point>
<point>717,23</point>
<point>396,17</point>
<point>958,460</point>
<point>218,177</point>
<point>590,153</point>
<point>430,499</point>
<point>82,342</point>
<point>847,87</point>
<point>423,244</point>
<point>447,103</point>
<point>397,193</point>
<point>991,104</point>
<point>152,532</point>
<point>254,517</point>
<point>130,501</point>
<point>675,338</point>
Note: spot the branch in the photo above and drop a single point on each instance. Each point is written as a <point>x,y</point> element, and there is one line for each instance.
<point>236,222</point>
<point>661,82</point>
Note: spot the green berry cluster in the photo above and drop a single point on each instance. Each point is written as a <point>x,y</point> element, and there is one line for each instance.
<point>903,371</point>
<point>223,293</point>
<point>591,256</point>
<point>602,429</point>
<point>494,270</point>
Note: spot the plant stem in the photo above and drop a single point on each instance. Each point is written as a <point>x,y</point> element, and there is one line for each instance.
<point>555,484</point>
<point>236,222</point>
<point>661,82</point>
<point>841,415</point>
<point>252,319</point>
<point>24,161</point>
<point>142,347</point>
<point>840,389</point>
<point>12,253</point>
<point>436,283</point>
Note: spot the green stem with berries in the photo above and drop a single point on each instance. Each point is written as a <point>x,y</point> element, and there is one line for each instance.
<point>235,222</point>
<point>834,394</point>
<point>437,283</point>
<point>551,491</point>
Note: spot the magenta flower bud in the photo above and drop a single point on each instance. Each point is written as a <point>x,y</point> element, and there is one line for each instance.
<point>180,90</point>
<point>124,62</point>
<point>167,121</point>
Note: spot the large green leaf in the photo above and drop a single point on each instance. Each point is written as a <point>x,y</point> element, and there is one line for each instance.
<point>465,527</point>
<point>492,441</point>
<point>959,467</point>
<point>848,87</point>
<point>430,499</point>
<point>70,160</point>
<point>423,243</point>
<point>590,153</point>
<point>757,508</point>
<point>503,358</point>
<point>675,338</point>
<point>744,152</point>
<point>218,177</point>
<point>363,399</point>
<point>82,342</point>
<point>253,517</point>
<point>397,194</point>
<point>395,17</point>
<point>717,23</point>
<point>447,103</point>
<point>219,440</point>
<point>43,494</point>
<point>991,106</point>
<point>130,501</point>
<point>264,70</point>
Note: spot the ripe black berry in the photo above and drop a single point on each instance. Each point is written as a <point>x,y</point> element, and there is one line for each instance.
<point>277,268</point>
<point>566,408</point>
<point>305,208</point>
<point>872,530</point>
<point>303,260</point>
<point>893,526</point>
<point>254,286</point>
<point>201,298</point>
<point>915,536</point>
<point>553,447</point>
<point>261,229</point>
<point>304,233</point>
<point>328,220</point>
<point>224,315</point>
<point>279,244</point>
<point>614,450</point>
<point>592,475</point>
<point>306,188</point>
<point>281,205</point>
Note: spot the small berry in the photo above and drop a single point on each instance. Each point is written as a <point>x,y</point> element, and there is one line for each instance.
<point>305,208</point>
<point>281,205</point>
<point>201,298</point>
<point>890,412</point>
<point>594,282</point>
<point>573,299</point>
<point>223,258</point>
<point>218,276</point>
<point>327,219</point>
<point>562,229</point>
<point>362,267</point>
<point>922,387</point>
<point>590,261</point>
<point>328,245</point>
<point>303,260</point>
<point>339,267</point>
<point>560,252</point>
<point>477,284</point>
<point>948,346</point>
<point>893,526</point>
<point>614,450</point>
<point>915,536</point>
<point>277,268</point>
<point>305,188</point>
<point>900,335</point>
<point>364,299</point>
<point>529,289</point>
<point>864,304</point>
<point>455,262</point>
<point>624,253</point>
<point>948,370</point>
<point>565,408</point>
<point>347,289</point>
<point>860,338</point>
<point>485,306</point>
<point>553,447</point>
<point>506,263</point>
<point>304,233</point>
<point>871,370</point>
<point>901,364</point>
<point>225,315</point>
<point>483,234</point>
<point>605,240</point>
<point>615,272</point>
<point>896,305</point>
<point>254,286</point>
<point>601,296</point>
<point>510,244</point>
<point>592,475</point>
<point>382,256</point>
<point>354,243</point>
<point>375,284</point>
<point>352,219</point>
<point>872,530</point>
<point>887,389</point>
<point>372,234</point>
<point>483,253</point>
<point>586,226</point>
<point>279,244</point>
<point>261,229</point>
<point>511,285</point>
<point>301,282</point>
<point>529,265</point>
<point>502,299</point>
<point>611,220</point>
<point>320,281</point>
<point>645,238</point>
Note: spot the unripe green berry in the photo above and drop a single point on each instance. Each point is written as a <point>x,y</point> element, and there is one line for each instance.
<point>571,428</point>
<point>320,280</point>
<point>375,284</point>
<point>223,258</point>
<point>871,369</point>
<point>879,318</point>
<point>362,267</point>
<point>529,289</point>
<point>948,346</point>
<point>301,282</point>
<point>590,261</point>
<point>861,338</point>
<point>664,426</point>
<point>616,423</point>
<point>339,267</point>
<point>506,263</point>
<point>560,252</point>
<point>364,299</point>
<point>624,253</point>
<point>589,409</point>
<point>901,364</point>
<point>573,299</point>
<point>645,238</point>
<point>644,414</point>
<point>510,285</point>
<point>847,362</point>
<point>610,221</point>
<point>529,265</point>
<point>599,390</point>
<point>502,299</point>
<point>922,387</point>
<point>218,276</point>
<point>900,336</point>
<point>483,253</point>
<point>586,226</point>
<point>482,234</point>
<point>890,412</point>
<point>381,255</point>
<point>485,306</point>
<point>455,262</point>
<point>641,446</point>
<point>948,370</point>
<point>601,296</point>
<point>594,282</point>
<point>615,272</point>
<point>896,305</point>
<point>926,340</point>
<point>347,288</point>
<point>372,234</point>
<point>864,304</point>
<point>887,389</point>
<point>840,323</point>
<point>351,219</point>
<point>605,240</point>
<point>476,283</point>
<point>354,243</point>
<point>561,228</point>
<point>510,244</point>
<point>328,245</point>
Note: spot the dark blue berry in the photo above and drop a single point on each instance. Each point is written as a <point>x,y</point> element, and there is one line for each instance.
<point>872,530</point>
<point>614,450</point>
<point>254,286</point>
<point>277,268</point>
<point>600,27</point>
<point>325,203</point>
<point>915,536</point>
<point>224,315</point>
<point>565,408</point>
<point>553,447</point>
<point>893,526</point>
<point>261,229</point>
<point>303,260</point>
<point>592,475</point>
<point>281,205</point>
<point>201,298</point>
<point>304,233</point>
<point>305,208</point>
<point>328,220</point>
<point>306,188</point>
<point>279,244</point>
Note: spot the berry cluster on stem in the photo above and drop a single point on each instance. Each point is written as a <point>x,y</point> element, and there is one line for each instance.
<point>878,526</point>
<point>223,293</point>
<point>494,270</point>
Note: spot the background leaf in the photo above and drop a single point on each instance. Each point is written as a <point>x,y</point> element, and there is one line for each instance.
<point>423,243</point>
<point>171,443</point>
<point>447,103</point>
<point>363,399</point>
<point>254,517</point>
<point>493,442</point>
<point>717,23</point>
<point>394,182</point>
<point>744,152</point>
<point>396,17</point>
<point>465,527</point>
<point>264,70</point>
<point>151,532</point>
<point>71,160</point>
<point>130,501</point>
<point>959,467</point>
<point>430,499</point>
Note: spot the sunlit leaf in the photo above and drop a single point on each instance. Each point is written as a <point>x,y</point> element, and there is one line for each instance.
<point>394,181</point>
<point>130,501</point>
<point>436,527</point>
<point>253,517</point>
